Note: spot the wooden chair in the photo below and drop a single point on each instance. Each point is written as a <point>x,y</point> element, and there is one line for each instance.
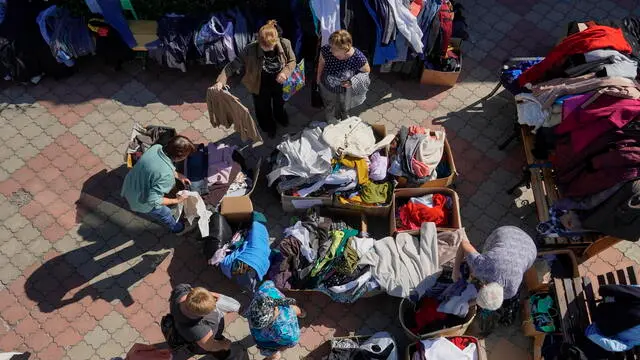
<point>577,298</point>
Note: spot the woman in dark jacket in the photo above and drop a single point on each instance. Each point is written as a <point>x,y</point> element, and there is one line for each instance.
<point>267,63</point>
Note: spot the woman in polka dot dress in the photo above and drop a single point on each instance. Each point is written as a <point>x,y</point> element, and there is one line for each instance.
<point>339,62</point>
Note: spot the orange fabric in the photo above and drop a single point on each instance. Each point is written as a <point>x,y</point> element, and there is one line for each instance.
<point>413,215</point>
<point>593,38</point>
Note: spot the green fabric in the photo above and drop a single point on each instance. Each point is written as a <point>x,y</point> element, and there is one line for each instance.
<point>373,193</point>
<point>336,239</point>
<point>151,178</point>
<point>348,263</point>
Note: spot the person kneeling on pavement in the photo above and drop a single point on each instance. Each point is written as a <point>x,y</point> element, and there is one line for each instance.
<point>199,320</point>
<point>153,177</point>
<point>507,254</point>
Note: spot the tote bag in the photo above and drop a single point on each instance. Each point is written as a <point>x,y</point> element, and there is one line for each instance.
<point>294,82</point>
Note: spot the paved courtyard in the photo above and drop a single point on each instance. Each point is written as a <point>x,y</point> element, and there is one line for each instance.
<point>81,277</point>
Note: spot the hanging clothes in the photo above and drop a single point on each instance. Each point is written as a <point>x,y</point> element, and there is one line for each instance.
<point>383,53</point>
<point>67,36</point>
<point>327,11</point>
<point>407,24</point>
<point>242,34</point>
<point>175,34</point>
<point>359,26</point>
<point>214,41</point>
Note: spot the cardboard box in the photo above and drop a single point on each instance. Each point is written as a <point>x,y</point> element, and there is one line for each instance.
<point>371,210</point>
<point>401,196</point>
<point>447,155</point>
<point>444,78</point>
<point>239,208</point>
<point>296,203</point>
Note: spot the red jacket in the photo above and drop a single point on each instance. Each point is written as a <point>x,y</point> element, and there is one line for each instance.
<point>593,38</point>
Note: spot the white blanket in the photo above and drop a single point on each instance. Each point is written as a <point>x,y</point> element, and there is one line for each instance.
<point>353,137</point>
<point>403,263</point>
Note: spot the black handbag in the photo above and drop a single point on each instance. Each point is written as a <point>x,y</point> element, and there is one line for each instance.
<point>316,98</point>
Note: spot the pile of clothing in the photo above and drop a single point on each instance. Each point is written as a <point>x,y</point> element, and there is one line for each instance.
<point>243,257</point>
<point>584,102</point>
<point>406,263</point>
<point>216,171</point>
<point>67,36</point>
<point>216,40</point>
<point>449,348</point>
<point>616,321</point>
<point>380,346</point>
<point>345,160</point>
<point>435,208</point>
<point>142,138</point>
<point>443,305</point>
<point>416,154</point>
<point>322,254</point>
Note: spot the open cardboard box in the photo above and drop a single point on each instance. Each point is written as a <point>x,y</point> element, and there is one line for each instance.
<point>444,78</point>
<point>239,208</point>
<point>295,203</point>
<point>401,196</point>
<point>447,155</point>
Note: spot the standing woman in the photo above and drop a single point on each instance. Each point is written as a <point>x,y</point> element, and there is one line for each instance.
<point>267,63</point>
<point>273,321</point>
<point>339,62</point>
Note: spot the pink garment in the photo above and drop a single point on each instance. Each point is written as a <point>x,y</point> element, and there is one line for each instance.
<point>419,168</point>
<point>148,352</point>
<point>415,129</point>
<point>220,162</point>
<point>587,124</point>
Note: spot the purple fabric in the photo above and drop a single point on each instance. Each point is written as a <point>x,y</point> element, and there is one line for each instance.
<point>378,167</point>
<point>606,113</point>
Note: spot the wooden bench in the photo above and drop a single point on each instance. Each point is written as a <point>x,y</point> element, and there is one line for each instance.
<point>545,193</point>
<point>144,31</point>
<point>577,298</point>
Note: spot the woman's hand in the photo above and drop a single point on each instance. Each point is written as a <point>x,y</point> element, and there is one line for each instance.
<point>185,180</point>
<point>346,84</point>
<point>281,78</point>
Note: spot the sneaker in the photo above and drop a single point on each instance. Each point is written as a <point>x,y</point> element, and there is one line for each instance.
<point>187,228</point>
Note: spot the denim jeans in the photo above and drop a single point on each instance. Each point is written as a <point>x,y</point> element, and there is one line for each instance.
<point>163,215</point>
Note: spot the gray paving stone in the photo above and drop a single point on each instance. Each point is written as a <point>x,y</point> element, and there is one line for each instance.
<point>11,246</point>
<point>8,273</point>
<point>16,222</point>
<point>54,130</point>
<point>41,141</point>
<point>81,351</point>
<point>23,259</point>
<point>27,234</point>
<point>125,335</point>
<point>112,322</point>
<point>27,152</point>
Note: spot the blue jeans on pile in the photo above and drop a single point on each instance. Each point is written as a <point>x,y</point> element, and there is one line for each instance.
<point>164,216</point>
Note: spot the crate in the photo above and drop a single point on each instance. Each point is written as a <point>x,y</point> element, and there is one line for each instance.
<point>444,78</point>
<point>457,330</point>
<point>447,155</point>
<point>482,353</point>
<point>240,208</point>
<point>455,220</point>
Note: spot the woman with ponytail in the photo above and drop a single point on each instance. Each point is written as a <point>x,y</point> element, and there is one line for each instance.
<point>267,63</point>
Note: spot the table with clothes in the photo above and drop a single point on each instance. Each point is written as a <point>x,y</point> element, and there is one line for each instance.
<point>417,155</point>
<point>583,102</point>
<point>346,160</point>
<point>322,253</point>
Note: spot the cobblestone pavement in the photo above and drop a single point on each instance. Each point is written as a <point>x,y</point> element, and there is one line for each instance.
<point>81,277</point>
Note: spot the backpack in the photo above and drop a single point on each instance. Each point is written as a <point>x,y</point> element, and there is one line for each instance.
<point>170,332</point>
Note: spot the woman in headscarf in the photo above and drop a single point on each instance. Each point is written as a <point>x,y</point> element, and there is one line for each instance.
<point>273,321</point>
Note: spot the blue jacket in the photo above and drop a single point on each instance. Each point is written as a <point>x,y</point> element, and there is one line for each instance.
<point>382,53</point>
<point>255,250</point>
<point>622,341</point>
